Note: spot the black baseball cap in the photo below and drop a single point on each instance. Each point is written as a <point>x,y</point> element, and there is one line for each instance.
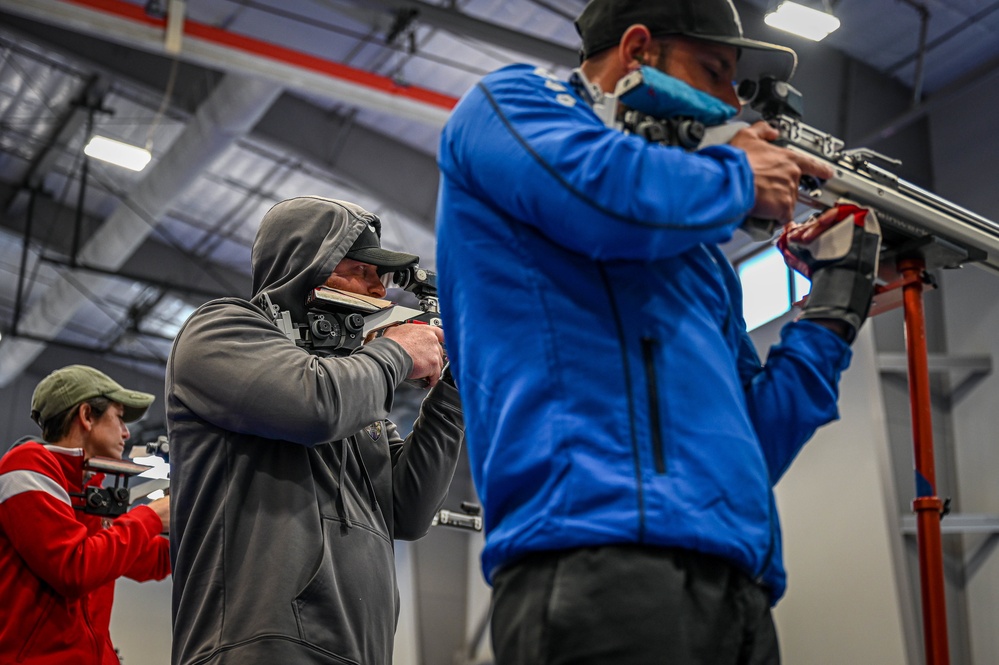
<point>603,22</point>
<point>367,248</point>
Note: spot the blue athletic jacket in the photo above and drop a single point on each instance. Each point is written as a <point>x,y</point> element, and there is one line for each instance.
<point>595,330</point>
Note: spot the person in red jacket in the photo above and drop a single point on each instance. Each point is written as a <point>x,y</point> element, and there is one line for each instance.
<point>58,564</point>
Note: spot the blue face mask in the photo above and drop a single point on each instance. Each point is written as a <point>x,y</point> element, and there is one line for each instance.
<point>662,96</point>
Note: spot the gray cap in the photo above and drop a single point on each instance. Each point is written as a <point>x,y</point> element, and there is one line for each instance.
<point>67,387</point>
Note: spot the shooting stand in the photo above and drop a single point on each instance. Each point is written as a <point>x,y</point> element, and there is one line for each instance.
<point>927,506</point>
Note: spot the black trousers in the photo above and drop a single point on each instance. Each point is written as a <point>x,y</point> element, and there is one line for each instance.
<point>630,605</point>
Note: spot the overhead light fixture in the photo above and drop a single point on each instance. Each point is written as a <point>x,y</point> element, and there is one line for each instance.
<point>803,21</point>
<point>116,152</point>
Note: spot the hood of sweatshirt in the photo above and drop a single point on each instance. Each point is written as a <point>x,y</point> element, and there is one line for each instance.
<point>299,243</point>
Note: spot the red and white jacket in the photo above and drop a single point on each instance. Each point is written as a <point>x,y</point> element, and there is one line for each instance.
<point>58,565</point>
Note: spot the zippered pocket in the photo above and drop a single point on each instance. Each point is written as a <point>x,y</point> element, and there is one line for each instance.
<point>37,632</point>
<point>652,391</point>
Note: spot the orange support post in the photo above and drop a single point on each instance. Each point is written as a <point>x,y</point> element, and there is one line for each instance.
<point>927,504</point>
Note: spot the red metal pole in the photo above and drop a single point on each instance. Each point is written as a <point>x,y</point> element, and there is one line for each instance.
<point>927,504</point>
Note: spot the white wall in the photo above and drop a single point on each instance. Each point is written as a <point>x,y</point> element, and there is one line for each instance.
<point>477,605</point>
<point>407,646</point>
<point>140,622</point>
<point>842,603</point>
<point>965,148</point>
<point>972,317</point>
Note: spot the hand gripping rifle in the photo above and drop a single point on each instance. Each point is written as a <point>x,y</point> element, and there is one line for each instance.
<point>914,222</point>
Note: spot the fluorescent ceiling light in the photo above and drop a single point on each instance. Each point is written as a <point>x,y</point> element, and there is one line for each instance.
<point>116,152</point>
<point>802,21</point>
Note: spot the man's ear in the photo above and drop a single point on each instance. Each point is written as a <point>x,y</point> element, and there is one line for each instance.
<point>634,46</point>
<point>86,417</point>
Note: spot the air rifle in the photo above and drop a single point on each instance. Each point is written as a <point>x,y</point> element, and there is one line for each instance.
<point>914,221</point>
<point>337,322</point>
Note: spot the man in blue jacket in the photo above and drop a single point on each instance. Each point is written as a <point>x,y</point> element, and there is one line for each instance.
<point>623,435</point>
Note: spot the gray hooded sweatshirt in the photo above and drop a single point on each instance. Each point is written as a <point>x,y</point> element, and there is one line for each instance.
<point>288,483</point>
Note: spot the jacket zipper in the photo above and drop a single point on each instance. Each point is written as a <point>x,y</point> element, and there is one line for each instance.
<point>655,419</point>
<point>639,486</point>
<point>85,611</point>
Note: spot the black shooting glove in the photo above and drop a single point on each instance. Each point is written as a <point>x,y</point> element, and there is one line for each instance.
<point>838,251</point>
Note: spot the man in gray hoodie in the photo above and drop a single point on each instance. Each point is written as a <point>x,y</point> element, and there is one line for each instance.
<point>288,483</point>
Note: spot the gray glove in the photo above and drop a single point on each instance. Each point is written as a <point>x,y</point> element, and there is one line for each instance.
<point>841,259</point>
